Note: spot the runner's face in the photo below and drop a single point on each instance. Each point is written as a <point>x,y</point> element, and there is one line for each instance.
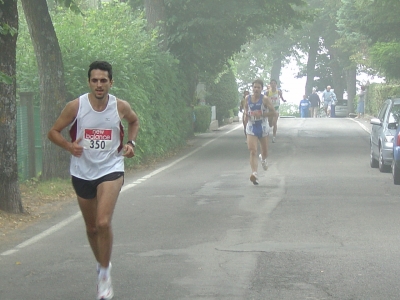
<point>273,84</point>
<point>99,83</point>
<point>257,89</point>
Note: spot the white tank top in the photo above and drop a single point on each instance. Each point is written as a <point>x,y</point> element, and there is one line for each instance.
<point>102,135</point>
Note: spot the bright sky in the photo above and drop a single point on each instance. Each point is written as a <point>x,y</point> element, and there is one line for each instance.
<point>292,87</point>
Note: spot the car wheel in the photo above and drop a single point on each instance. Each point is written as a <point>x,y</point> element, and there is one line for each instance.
<point>372,161</point>
<point>382,167</point>
<point>395,173</point>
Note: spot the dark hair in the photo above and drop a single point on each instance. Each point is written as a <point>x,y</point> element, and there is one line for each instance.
<point>273,80</point>
<point>101,65</point>
<point>259,81</point>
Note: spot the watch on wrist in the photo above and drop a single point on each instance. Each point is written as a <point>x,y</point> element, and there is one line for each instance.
<point>132,143</point>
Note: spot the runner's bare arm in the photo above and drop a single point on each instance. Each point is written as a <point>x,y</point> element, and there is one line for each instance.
<point>271,110</point>
<point>130,116</point>
<point>66,117</point>
<point>280,95</point>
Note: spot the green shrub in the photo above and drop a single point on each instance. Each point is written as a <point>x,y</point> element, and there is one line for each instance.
<point>223,95</point>
<point>148,78</point>
<point>377,93</point>
<point>203,118</point>
<point>235,111</point>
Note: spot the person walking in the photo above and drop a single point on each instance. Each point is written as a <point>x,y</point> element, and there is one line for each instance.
<point>257,109</point>
<point>361,102</point>
<point>315,103</point>
<point>97,160</point>
<point>275,95</point>
<point>329,99</point>
<point>304,107</point>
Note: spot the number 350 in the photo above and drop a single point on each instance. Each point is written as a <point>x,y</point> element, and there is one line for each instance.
<point>97,144</point>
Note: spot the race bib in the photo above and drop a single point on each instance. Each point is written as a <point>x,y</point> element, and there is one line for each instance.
<point>97,139</point>
<point>253,116</point>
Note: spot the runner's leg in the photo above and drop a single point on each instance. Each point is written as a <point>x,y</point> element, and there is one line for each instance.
<point>252,146</point>
<point>107,195</point>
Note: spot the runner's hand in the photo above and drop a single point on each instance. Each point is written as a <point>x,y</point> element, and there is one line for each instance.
<point>129,151</point>
<point>76,149</point>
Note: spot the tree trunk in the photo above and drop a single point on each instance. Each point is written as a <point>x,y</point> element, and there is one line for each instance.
<point>10,196</point>
<point>52,84</point>
<point>277,67</point>
<point>155,15</point>
<point>351,82</point>
<point>312,58</point>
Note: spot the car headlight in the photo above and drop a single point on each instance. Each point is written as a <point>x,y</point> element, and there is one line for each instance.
<point>389,138</point>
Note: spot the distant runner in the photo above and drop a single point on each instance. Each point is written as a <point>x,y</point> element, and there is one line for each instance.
<point>275,95</point>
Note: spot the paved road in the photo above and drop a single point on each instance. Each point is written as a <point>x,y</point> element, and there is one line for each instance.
<point>321,225</point>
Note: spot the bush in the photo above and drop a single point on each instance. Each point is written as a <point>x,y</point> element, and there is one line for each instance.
<point>203,118</point>
<point>377,93</point>
<point>235,111</point>
<point>148,78</point>
<point>223,95</point>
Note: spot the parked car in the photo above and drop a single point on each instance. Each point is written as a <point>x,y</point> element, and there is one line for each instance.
<point>341,109</point>
<point>396,157</point>
<point>382,134</point>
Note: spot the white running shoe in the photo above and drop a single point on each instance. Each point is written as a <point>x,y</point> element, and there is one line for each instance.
<point>254,178</point>
<point>273,139</point>
<point>104,289</point>
<point>264,164</point>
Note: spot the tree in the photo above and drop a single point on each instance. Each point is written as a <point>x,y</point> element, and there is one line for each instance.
<point>52,83</point>
<point>155,15</point>
<point>204,35</point>
<point>373,25</point>
<point>10,196</point>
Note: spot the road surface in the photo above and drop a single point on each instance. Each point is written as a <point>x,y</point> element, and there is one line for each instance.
<point>321,225</point>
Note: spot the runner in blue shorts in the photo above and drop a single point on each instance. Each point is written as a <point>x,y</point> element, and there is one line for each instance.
<point>257,110</point>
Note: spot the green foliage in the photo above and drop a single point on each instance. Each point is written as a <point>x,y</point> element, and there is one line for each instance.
<point>7,29</point>
<point>223,95</point>
<point>203,118</point>
<point>289,109</point>
<point>143,75</point>
<point>205,34</point>
<point>377,94</point>
<point>235,111</point>
<point>5,78</point>
<point>386,59</point>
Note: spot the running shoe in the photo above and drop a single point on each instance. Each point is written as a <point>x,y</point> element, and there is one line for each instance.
<point>104,289</point>
<point>254,178</point>
<point>264,164</point>
<point>273,139</point>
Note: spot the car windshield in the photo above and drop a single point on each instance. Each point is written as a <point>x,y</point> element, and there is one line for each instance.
<point>394,116</point>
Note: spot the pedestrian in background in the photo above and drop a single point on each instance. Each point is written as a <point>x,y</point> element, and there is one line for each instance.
<point>329,99</point>
<point>304,107</point>
<point>361,102</point>
<point>315,103</point>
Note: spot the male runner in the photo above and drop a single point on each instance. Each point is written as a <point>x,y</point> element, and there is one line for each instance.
<point>97,161</point>
<point>275,95</point>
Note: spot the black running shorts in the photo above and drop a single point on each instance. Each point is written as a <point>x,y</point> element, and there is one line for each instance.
<point>87,189</point>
